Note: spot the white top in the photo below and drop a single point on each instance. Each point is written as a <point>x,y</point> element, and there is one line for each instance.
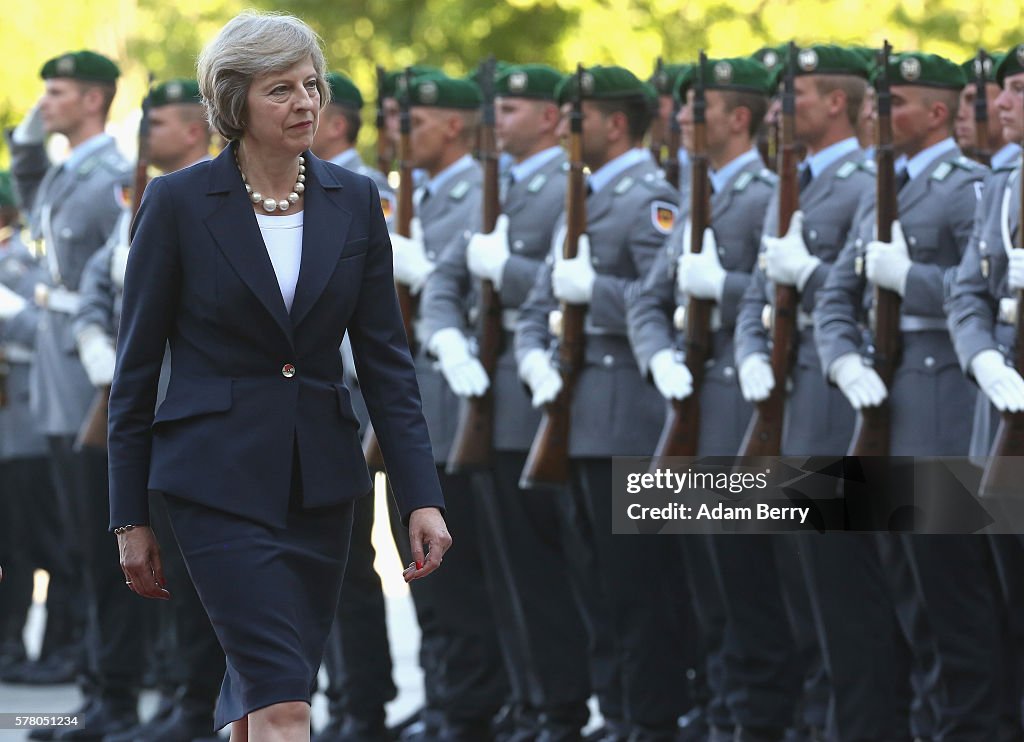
<point>283,237</point>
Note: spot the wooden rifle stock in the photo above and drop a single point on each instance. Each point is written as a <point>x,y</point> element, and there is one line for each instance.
<point>407,303</point>
<point>982,153</point>
<point>764,434</point>
<point>658,139</point>
<point>680,435</point>
<point>548,460</point>
<point>1002,477</point>
<point>93,431</point>
<point>473,444</point>
<point>873,431</point>
<point>384,149</point>
<point>672,169</point>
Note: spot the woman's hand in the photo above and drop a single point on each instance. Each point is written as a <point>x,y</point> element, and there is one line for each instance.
<point>428,535</point>
<point>140,562</point>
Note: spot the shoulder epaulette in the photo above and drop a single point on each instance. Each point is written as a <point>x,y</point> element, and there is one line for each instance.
<point>459,190</point>
<point>966,163</point>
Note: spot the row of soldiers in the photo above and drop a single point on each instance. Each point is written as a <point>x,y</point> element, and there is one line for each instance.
<point>838,636</point>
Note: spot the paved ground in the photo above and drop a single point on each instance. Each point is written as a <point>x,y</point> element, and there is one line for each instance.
<point>402,627</point>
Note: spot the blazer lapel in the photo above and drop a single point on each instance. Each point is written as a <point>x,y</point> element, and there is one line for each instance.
<point>233,226</point>
<point>325,227</point>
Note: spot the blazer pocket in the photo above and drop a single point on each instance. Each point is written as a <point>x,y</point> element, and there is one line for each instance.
<point>345,403</point>
<point>195,399</point>
<point>354,248</point>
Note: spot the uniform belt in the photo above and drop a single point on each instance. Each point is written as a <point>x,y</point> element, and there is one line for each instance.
<point>914,323</point>
<point>589,328</point>
<point>679,318</point>
<point>16,353</point>
<point>57,299</point>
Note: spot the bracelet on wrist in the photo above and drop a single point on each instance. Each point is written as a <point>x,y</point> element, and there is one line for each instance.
<point>124,529</point>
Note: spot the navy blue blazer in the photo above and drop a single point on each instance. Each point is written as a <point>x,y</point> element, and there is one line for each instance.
<point>252,385</point>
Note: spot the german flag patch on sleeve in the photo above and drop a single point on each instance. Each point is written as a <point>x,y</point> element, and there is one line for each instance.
<point>663,216</point>
<point>387,205</point>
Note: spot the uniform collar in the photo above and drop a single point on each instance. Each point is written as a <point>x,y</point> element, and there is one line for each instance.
<point>90,146</point>
<point>920,162</point>
<point>720,178</point>
<point>612,169</point>
<point>349,159</point>
<point>434,184</point>
<point>1007,156</point>
<point>533,163</point>
<point>820,161</point>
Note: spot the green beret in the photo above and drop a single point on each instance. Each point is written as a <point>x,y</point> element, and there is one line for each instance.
<point>389,86</point>
<point>928,70</point>
<point>174,91</point>
<point>664,80</point>
<point>603,83</point>
<point>828,59</point>
<point>970,68</point>
<point>343,91</point>
<point>437,90</point>
<point>82,65</point>
<point>772,57</point>
<point>6,189</point>
<point>528,81</point>
<point>1011,64</point>
<point>743,74</point>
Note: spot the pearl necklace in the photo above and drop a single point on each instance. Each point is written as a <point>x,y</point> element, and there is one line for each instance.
<point>270,205</point>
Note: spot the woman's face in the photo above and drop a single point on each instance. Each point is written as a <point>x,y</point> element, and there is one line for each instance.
<point>283,108</point>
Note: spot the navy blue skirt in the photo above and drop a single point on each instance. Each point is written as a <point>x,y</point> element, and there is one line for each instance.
<point>271,595</point>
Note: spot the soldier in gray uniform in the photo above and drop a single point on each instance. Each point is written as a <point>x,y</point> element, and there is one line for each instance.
<point>461,655</point>
<point>191,659</point>
<point>830,82</point>
<point>539,626</point>
<point>1004,152</point>
<point>358,656</point>
<point>73,209</point>
<point>736,97</point>
<point>981,313</point>
<point>624,581</point>
<point>28,537</point>
<point>930,401</point>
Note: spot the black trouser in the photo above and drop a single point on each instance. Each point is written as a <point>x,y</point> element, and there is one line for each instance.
<point>358,656</point>
<point>459,653</point>
<point>539,627</point>
<point>638,603</point>
<point>114,635</point>
<point>197,661</point>
<point>16,554</point>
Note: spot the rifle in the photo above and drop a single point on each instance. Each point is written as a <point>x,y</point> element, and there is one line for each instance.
<point>658,133</point>
<point>873,430</point>
<point>93,433</point>
<point>548,460</point>
<point>981,152</point>
<point>764,434</point>
<point>385,155</point>
<point>473,443</point>
<point>407,303</point>
<point>681,433</point>
<point>671,164</point>
<point>1003,470</point>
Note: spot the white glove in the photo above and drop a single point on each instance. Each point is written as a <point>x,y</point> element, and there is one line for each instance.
<point>888,263</point>
<point>756,377</point>
<point>787,259</point>
<point>1001,383</point>
<point>118,265</point>
<point>860,383</point>
<point>30,130</point>
<point>573,280</point>
<point>1015,270</point>
<point>543,379</point>
<point>460,369</point>
<point>701,275</point>
<point>672,378</point>
<point>96,352</point>
<point>412,266</point>
<point>10,303</point>
<point>487,254</point>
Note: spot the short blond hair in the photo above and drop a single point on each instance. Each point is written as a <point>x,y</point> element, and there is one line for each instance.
<point>253,44</point>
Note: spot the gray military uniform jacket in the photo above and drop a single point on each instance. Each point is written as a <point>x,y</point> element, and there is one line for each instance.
<point>19,272</point>
<point>979,290</point>
<point>614,411</point>
<point>446,216</point>
<point>74,212</point>
<point>930,399</point>
<point>819,420</point>
<point>737,219</point>
<point>533,206</point>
